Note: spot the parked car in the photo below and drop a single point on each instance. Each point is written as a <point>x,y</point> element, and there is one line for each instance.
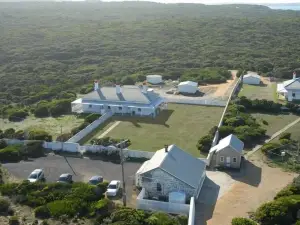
<point>113,188</point>
<point>36,175</point>
<point>96,180</point>
<point>65,178</point>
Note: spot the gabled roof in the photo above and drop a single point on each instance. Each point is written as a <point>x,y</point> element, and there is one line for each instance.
<point>177,163</point>
<point>252,75</point>
<point>191,83</point>
<point>292,84</point>
<point>232,141</point>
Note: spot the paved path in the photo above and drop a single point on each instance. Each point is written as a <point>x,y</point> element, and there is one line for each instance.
<point>109,129</point>
<point>272,137</point>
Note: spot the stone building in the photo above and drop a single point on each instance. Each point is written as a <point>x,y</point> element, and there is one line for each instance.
<point>171,170</point>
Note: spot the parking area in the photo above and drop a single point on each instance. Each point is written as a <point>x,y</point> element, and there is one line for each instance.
<point>82,169</point>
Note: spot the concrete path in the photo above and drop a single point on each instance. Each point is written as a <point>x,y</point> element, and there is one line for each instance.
<point>272,137</point>
<point>109,129</point>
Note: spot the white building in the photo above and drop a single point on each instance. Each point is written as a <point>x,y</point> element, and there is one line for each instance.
<point>251,78</point>
<point>189,87</point>
<point>154,79</point>
<point>125,100</point>
<point>290,89</point>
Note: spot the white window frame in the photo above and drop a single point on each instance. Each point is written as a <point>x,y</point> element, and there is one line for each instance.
<point>222,158</point>
<point>234,160</point>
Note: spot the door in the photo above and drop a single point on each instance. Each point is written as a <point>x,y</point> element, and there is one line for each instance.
<point>228,161</point>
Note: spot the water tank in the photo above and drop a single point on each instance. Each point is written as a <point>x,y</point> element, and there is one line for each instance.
<point>154,79</point>
<point>177,197</point>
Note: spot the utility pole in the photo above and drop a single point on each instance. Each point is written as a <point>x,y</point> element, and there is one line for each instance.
<point>298,157</point>
<point>123,176</point>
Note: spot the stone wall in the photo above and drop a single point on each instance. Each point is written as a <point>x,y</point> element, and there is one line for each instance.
<point>168,184</point>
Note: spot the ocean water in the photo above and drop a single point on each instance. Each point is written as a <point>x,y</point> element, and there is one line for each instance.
<point>285,7</point>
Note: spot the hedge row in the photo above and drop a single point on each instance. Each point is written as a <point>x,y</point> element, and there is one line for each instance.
<point>32,134</point>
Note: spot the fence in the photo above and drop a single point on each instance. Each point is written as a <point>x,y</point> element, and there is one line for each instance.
<point>216,137</point>
<point>209,102</point>
<point>167,207</point>
<point>81,134</point>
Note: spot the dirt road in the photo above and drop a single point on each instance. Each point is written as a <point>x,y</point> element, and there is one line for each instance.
<point>260,184</point>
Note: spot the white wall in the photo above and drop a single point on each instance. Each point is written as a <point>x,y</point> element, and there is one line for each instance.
<point>196,102</point>
<point>167,207</point>
<point>81,134</point>
<point>290,95</point>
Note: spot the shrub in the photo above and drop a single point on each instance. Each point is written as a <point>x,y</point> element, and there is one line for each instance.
<point>20,134</point>
<point>102,206</point>
<point>41,111</point>
<point>274,147</point>
<point>4,205</point>
<point>8,189</point>
<point>288,191</point>
<point>242,221</point>
<point>17,115</point>
<point>91,118</point>
<point>60,107</point>
<point>2,144</point>
<point>285,136</point>
<point>64,137</point>
<point>67,207</point>
<point>34,149</point>
<point>204,144</point>
<point>14,220</point>
<point>265,122</point>
<point>11,153</point>
<point>42,212</point>
<point>128,216</point>
<point>39,135</point>
<point>9,133</point>
<point>285,141</point>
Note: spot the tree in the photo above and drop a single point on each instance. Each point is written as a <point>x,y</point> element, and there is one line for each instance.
<point>9,133</point>
<point>204,144</point>
<point>41,111</point>
<point>2,144</point>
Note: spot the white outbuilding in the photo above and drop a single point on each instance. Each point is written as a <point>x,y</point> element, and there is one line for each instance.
<point>188,87</point>
<point>154,79</point>
<point>251,78</point>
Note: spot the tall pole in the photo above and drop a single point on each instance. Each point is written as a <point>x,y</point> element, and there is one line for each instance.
<point>123,176</point>
<point>298,157</point>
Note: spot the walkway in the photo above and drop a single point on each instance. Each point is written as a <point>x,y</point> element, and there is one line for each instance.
<point>272,137</point>
<point>109,129</point>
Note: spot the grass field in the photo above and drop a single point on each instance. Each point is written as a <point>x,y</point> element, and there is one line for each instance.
<point>259,91</point>
<point>49,124</point>
<point>275,121</point>
<point>182,125</point>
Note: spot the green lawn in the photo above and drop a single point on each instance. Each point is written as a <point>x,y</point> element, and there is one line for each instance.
<point>275,121</point>
<point>182,125</point>
<point>49,124</point>
<point>258,91</point>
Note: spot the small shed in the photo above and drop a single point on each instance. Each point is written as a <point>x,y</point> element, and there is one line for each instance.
<point>189,87</point>
<point>251,78</point>
<point>154,79</point>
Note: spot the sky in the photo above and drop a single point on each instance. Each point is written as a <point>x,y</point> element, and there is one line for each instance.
<point>209,2</point>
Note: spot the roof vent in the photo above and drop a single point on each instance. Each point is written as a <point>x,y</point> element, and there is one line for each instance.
<point>166,148</point>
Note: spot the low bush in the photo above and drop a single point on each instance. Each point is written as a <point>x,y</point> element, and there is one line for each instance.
<point>285,135</point>
<point>9,133</point>
<point>11,153</point>
<point>34,149</point>
<point>42,212</point>
<point>18,115</point>
<point>64,137</point>
<point>67,207</point>
<point>112,156</point>
<point>102,206</point>
<point>40,135</point>
<point>273,147</point>
<point>14,220</point>
<point>2,144</point>
<point>204,144</point>
<point>91,118</point>
<point>242,221</point>
<point>4,205</point>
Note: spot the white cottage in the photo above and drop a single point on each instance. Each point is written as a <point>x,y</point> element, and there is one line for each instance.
<point>188,87</point>
<point>171,170</point>
<point>290,89</point>
<point>251,78</point>
<point>125,100</point>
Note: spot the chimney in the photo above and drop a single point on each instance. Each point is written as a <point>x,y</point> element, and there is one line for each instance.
<point>96,85</point>
<point>145,88</point>
<point>118,89</point>
<point>294,76</point>
<point>166,148</point>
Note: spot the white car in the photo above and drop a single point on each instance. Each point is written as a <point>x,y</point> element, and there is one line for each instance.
<point>113,188</point>
<point>36,175</point>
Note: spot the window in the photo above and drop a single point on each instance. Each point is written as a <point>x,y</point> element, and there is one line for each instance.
<point>234,159</point>
<point>120,108</point>
<point>294,95</point>
<point>108,107</point>
<point>158,187</point>
<point>139,109</point>
<point>222,159</point>
<point>90,106</point>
